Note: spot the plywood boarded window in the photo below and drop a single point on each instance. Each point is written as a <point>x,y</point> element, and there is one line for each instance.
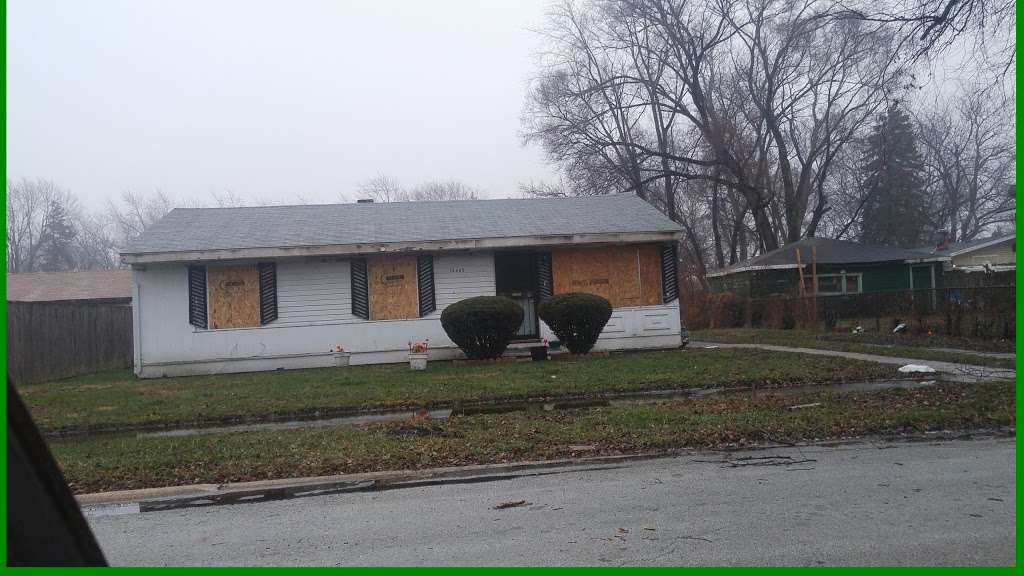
<point>627,275</point>
<point>392,287</point>
<point>650,274</point>
<point>234,296</point>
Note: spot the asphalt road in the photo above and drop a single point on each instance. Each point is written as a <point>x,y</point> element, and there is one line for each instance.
<point>943,503</point>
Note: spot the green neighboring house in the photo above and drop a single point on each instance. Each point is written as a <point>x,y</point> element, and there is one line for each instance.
<point>831,268</point>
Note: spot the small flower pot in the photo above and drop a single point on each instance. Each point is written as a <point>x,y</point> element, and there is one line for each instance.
<point>341,358</point>
<point>417,360</point>
<point>538,353</point>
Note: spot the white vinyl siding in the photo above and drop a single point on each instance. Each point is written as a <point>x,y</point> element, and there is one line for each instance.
<point>461,276</point>
<point>313,292</point>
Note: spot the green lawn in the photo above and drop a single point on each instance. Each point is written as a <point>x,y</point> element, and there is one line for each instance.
<point>120,398</point>
<point>890,345</point>
<point>110,462</point>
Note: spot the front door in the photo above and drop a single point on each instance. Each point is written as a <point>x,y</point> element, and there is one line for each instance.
<point>515,277</point>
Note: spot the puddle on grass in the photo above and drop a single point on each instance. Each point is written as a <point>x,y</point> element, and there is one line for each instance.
<point>617,399</point>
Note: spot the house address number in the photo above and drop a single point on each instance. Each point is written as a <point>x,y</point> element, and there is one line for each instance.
<point>456,270</point>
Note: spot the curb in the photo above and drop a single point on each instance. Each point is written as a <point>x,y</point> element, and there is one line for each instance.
<point>200,495</point>
<point>171,497</point>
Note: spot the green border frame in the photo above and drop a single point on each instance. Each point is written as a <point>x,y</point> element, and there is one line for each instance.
<point>477,570</point>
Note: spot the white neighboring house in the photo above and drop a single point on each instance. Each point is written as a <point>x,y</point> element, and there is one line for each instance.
<point>278,287</point>
<point>994,254</point>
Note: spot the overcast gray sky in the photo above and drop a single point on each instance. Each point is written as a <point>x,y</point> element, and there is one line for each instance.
<point>268,99</point>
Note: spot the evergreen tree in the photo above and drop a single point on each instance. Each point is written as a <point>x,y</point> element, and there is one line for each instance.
<point>895,209</point>
<point>57,240</point>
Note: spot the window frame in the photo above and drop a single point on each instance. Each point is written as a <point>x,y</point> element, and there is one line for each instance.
<point>842,283</point>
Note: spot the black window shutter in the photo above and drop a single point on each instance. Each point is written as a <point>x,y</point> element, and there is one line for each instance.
<point>425,283</point>
<point>669,279</point>
<point>545,283</point>
<point>197,296</point>
<point>360,291</point>
<point>268,292</point>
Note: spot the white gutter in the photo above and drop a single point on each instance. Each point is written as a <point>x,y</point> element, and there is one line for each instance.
<point>755,269</point>
<point>926,259</point>
<point>980,268</point>
<point>794,266</point>
<point>391,247</point>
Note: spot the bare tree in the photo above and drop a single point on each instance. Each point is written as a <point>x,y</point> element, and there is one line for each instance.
<point>29,207</point>
<point>135,213</point>
<point>95,247</point>
<point>969,155</point>
<point>86,240</point>
<point>544,189</point>
<point>740,106</point>
<point>814,82</point>
<point>984,30</point>
<point>382,188</point>
<point>444,190</point>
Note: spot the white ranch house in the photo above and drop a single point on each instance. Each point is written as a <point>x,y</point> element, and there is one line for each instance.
<point>265,288</point>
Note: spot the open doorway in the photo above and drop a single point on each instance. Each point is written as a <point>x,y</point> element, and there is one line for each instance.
<point>515,277</point>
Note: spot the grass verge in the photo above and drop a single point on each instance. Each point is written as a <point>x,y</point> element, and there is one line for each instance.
<point>108,399</point>
<point>117,462</point>
<point>863,343</point>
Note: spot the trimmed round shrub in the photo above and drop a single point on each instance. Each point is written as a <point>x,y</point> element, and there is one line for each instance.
<point>482,326</point>
<point>576,318</point>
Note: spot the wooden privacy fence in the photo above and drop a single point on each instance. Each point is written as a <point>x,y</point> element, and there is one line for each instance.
<point>51,340</point>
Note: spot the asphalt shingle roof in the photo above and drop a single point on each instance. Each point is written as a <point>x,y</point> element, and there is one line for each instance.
<point>58,286</point>
<point>961,246</point>
<point>192,229</point>
<point>827,251</point>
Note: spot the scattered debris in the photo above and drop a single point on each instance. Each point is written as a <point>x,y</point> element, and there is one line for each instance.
<point>995,499</point>
<point>758,461</point>
<point>901,327</point>
<point>858,330</point>
<point>410,429</point>
<point>799,406</point>
<point>710,347</point>
<point>582,448</point>
<point>916,369</point>
<point>972,515</point>
<point>512,504</point>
